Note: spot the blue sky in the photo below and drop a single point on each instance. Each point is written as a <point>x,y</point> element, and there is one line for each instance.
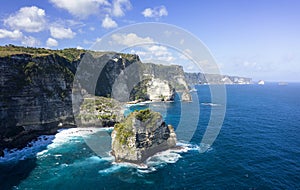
<point>258,39</point>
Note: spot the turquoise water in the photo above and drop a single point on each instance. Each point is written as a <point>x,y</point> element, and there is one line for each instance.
<point>258,147</point>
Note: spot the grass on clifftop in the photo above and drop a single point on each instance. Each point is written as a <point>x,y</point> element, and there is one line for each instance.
<point>71,54</point>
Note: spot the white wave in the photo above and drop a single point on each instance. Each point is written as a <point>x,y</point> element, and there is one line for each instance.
<point>148,170</point>
<point>210,104</point>
<point>75,135</point>
<point>31,150</point>
<point>205,148</point>
<point>156,161</point>
<point>167,156</point>
<point>35,148</point>
<point>84,162</point>
<point>114,168</point>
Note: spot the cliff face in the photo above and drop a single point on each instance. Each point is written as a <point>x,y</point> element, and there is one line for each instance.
<point>171,74</point>
<point>200,78</point>
<point>125,78</point>
<point>140,136</point>
<point>35,96</point>
<point>160,90</point>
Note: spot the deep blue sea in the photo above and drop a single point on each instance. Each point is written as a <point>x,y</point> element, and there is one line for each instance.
<point>258,147</point>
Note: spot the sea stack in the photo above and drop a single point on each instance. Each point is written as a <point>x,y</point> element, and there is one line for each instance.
<point>141,135</point>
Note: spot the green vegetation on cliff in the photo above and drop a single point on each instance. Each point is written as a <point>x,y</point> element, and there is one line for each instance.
<point>124,130</point>
<point>71,54</point>
<point>143,115</point>
<point>101,110</point>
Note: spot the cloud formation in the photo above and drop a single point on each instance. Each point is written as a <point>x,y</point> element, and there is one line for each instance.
<point>61,32</point>
<point>130,39</point>
<point>84,8</point>
<point>29,19</point>
<point>51,42</point>
<point>155,12</point>
<point>108,22</point>
<point>80,8</point>
<point>120,6</point>
<point>145,47</point>
<point>30,41</point>
<point>13,35</point>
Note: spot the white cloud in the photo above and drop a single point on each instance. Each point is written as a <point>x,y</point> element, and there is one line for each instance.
<point>140,53</point>
<point>188,52</point>
<point>13,35</point>
<point>80,8</point>
<point>120,6</point>
<point>181,42</point>
<point>30,41</point>
<point>79,47</point>
<point>29,19</point>
<point>249,64</point>
<point>98,39</point>
<point>109,23</point>
<point>167,59</point>
<point>160,53</point>
<point>158,50</point>
<point>155,12</point>
<point>130,39</point>
<point>51,42</point>
<point>61,32</point>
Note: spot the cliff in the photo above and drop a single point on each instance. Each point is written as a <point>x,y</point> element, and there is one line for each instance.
<point>141,135</point>
<point>200,78</point>
<point>36,87</point>
<point>125,78</point>
<point>35,96</point>
<point>174,74</point>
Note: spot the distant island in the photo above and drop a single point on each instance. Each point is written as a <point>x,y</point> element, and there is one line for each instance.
<point>201,78</point>
<point>37,83</point>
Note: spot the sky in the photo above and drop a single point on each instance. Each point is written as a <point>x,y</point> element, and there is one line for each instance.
<point>258,38</point>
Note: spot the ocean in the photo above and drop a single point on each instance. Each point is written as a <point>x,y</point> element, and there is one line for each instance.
<point>258,147</point>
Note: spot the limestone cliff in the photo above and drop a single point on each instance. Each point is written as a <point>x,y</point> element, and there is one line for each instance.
<point>160,90</point>
<point>35,96</point>
<point>141,135</point>
<point>174,74</point>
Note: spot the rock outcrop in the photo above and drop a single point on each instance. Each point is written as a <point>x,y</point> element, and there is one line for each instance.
<point>98,111</point>
<point>141,135</point>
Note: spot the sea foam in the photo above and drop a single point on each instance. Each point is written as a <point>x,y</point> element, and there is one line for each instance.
<point>29,151</point>
<point>154,162</point>
<point>210,104</point>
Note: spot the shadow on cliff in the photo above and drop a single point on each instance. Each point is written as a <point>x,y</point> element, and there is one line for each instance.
<point>12,174</point>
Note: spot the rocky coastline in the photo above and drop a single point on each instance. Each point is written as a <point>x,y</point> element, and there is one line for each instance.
<point>37,83</point>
